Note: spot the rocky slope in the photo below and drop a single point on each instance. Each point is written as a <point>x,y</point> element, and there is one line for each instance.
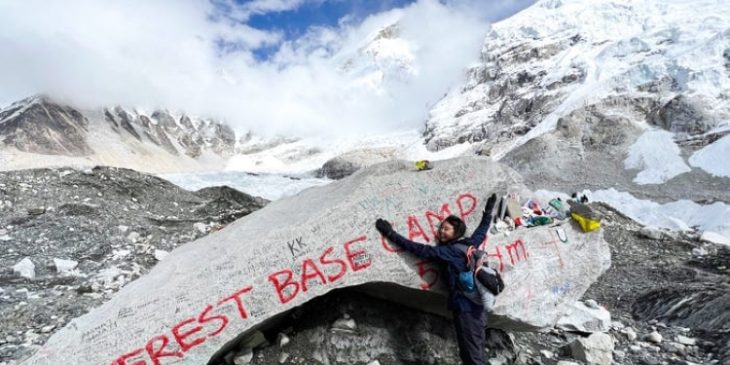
<point>667,292</point>
<point>70,239</point>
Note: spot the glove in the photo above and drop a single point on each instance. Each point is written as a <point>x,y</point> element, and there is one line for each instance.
<point>383,227</point>
<point>490,204</point>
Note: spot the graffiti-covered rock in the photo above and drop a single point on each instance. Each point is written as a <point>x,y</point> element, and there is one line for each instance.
<point>209,291</point>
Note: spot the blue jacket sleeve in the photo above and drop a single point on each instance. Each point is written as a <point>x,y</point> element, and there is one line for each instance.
<point>481,232</point>
<point>419,249</point>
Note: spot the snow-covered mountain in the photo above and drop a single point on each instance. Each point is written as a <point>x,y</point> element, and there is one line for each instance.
<point>632,95</point>
<point>38,131</point>
<point>666,61</point>
<point>384,57</point>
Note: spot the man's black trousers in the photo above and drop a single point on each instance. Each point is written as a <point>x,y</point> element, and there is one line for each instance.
<point>470,327</point>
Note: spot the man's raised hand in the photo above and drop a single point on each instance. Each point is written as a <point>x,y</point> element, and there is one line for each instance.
<point>383,227</point>
<point>490,204</point>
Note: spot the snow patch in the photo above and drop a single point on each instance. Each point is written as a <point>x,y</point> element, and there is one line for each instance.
<point>267,186</point>
<point>678,215</point>
<point>681,215</point>
<point>716,238</point>
<point>713,158</point>
<point>657,156</point>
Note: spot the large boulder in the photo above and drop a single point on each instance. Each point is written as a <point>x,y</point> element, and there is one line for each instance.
<point>347,163</point>
<point>584,318</point>
<point>595,349</point>
<point>209,292</point>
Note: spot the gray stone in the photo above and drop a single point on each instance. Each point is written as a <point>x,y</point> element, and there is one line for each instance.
<point>326,235</point>
<point>651,233</point>
<point>619,355</point>
<point>629,333</point>
<point>201,227</point>
<point>674,347</point>
<point>133,236</point>
<point>699,251</point>
<point>345,323</point>
<point>590,303</point>
<point>594,349</point>
<point>654,337</point>
<point>282,340</point>
<point>547,354</point>
<point>686,340</point>
<point>617,325</point>
<point>160,254</point>
<point>253,340</point>
<point>37,211</point>
<point>243,357</point>
<point>583,318</point>
<point>25,268</point>
<point>64,266</point>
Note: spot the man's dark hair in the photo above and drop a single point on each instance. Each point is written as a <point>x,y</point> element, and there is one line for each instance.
<point>458,224</point>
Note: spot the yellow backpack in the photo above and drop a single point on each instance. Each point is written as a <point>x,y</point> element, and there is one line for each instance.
<point>423,165</point>
<point>587,219</point>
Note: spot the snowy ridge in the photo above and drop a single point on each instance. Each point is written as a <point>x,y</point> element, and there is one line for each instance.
<point>38,132</point>
<point>17,108</point>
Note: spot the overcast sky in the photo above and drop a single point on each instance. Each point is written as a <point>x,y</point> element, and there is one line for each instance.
<point>273,66</point>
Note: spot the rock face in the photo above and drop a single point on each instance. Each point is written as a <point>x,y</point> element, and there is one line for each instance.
<point>35,130</point>
<point>38,126</point>
<point>208,292</point>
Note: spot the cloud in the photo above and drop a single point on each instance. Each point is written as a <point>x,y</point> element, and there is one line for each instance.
<point>186,56</point>
<point>241,12</point>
